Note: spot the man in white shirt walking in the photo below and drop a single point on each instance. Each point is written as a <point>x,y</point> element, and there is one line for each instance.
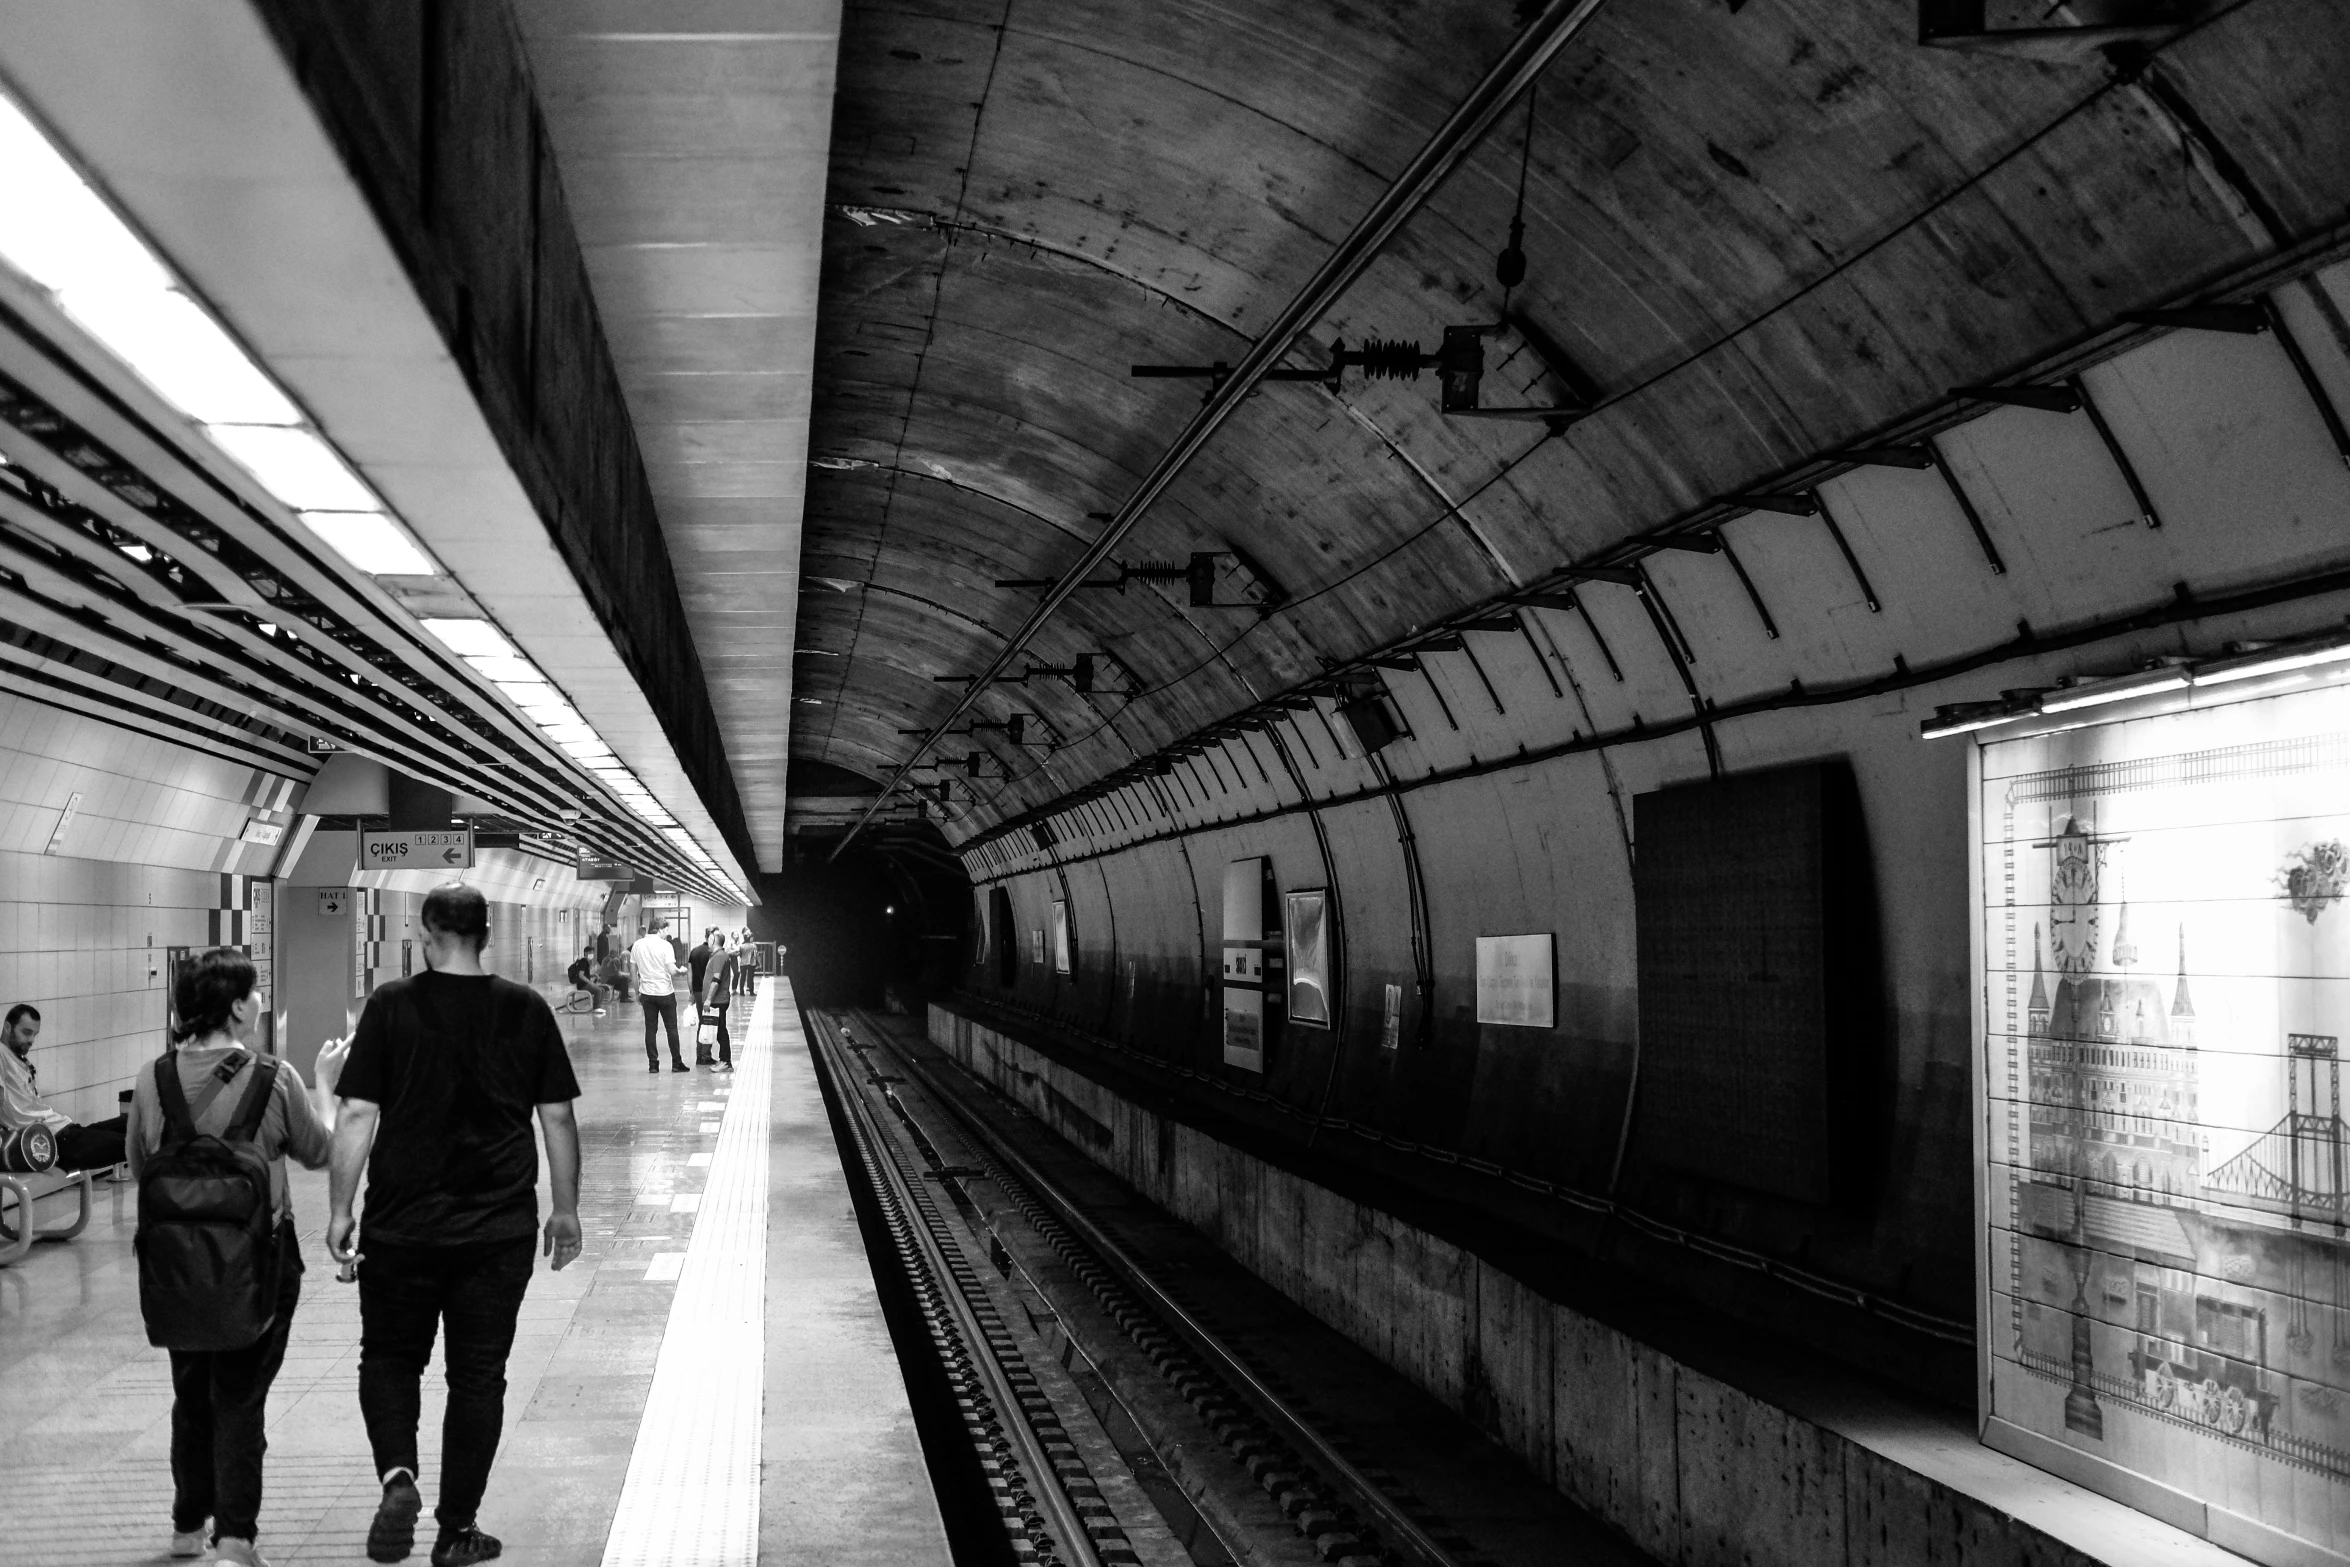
<point>654,962</point>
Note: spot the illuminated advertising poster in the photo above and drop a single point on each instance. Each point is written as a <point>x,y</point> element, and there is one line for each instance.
<point>2165,994</point>
<point>1306,940</point>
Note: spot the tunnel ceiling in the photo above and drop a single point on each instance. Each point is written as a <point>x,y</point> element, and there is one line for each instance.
<point>1753,236</point>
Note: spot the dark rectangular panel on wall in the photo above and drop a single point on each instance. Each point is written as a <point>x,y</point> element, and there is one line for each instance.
<point>1758,972</point>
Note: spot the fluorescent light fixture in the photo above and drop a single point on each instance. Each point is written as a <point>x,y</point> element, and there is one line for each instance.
<point>370,541</point>
<point>470,639</point>
<point>1969,719</point>
<point>178,349</point>
<point>2119,689</point>
<point>574,734</point>
<point>295,466</point>
<point>535,697</point>
<point>2271,662</point>
<point>498,668</point>
<point>54,228</point>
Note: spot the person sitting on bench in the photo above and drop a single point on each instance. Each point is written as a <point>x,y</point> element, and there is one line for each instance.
<point>582,975</point>
<point>97,1146</point>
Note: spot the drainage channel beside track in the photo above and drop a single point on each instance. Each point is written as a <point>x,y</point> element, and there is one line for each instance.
<point>1240,1462</point>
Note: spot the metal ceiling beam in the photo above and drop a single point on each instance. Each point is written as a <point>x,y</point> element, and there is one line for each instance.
<point>1525,59</point>
<point>371,678</point>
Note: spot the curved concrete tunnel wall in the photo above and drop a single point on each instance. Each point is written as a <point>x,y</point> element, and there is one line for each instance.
<point>2248,486</point>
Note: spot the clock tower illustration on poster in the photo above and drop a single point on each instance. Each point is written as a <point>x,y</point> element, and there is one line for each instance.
<point>2166,978</point>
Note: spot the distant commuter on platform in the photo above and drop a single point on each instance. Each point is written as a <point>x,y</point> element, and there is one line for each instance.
<point>97,1146</point>
<point>698,960</point>
<point>717,993</point>
<point>219,1395</point>
<point>654,962</point>
<point>445,1073</point>
<point>582,975</point>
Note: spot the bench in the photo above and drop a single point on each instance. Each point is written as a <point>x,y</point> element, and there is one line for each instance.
<point>28,1190</point>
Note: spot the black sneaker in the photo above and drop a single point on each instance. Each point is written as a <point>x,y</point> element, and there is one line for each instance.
<point>679,1066</point>
<point>393,1534</point>
<point>466,1546</point>
<point>654,1068</point>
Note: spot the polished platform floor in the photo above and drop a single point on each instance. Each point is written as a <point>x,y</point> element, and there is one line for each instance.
<point>712,1382</point>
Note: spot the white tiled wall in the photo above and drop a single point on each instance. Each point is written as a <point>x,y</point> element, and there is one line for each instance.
<point>83,931</point>
<point>144,801</point>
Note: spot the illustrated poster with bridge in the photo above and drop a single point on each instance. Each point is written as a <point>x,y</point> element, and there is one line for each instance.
<point>2166,998</point>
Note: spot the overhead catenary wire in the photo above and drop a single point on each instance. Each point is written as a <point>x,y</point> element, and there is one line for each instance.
<point>1524,60</point>
<point>1631,548</point>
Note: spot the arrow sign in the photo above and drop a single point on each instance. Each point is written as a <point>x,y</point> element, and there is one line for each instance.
<point>442,849</point>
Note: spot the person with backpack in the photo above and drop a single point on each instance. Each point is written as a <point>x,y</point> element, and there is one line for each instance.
<point>220,1271</point>
<point>446,1072</point>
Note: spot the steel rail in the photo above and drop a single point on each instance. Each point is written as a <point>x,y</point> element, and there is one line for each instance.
<point>1390,1516</point>
<point>1074,1544</point>
<point>1524,60</point>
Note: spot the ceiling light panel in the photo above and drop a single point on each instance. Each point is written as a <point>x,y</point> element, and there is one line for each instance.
<point>470,638</point>
<point>183,353</point>
<point>370,541</point>
<point>65,238</point>
<point>294,465</point>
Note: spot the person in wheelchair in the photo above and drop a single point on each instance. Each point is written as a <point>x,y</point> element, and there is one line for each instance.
<point>583,978</point>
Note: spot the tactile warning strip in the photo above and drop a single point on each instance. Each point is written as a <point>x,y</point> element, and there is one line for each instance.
<point>691,1498</point>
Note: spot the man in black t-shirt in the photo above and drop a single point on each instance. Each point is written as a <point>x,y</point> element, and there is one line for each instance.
<point>446,1070</point>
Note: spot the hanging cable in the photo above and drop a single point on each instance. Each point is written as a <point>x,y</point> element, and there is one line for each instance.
<point>1510,266</point>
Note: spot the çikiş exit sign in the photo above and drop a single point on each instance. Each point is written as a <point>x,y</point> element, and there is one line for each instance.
<point>446,849</point>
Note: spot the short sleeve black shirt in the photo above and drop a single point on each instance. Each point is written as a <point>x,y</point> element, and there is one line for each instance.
<point>457,1065</point>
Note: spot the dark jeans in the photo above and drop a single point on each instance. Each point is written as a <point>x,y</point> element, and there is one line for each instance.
<point>97,1146</point>
<point>725,1045</point>
<point>216,1429</point>
<point>404,1293</point>
<point>663,1008</point>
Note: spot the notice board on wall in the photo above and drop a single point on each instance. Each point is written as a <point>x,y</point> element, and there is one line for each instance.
<point>2164,1191</point>
<point>1517,985</point>
<point>1758,979</point>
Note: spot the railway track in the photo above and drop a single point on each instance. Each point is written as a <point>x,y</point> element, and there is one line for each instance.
<point>1240,1465</point>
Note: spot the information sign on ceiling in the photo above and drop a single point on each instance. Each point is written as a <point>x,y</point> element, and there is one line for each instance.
<point>442,849</point>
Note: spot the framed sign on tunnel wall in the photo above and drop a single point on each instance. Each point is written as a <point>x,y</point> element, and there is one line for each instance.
<point>1252,969</point>
<point>2164,993</point>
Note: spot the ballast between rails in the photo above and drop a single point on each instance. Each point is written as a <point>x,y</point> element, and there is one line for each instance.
<point>1016,1175</point>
